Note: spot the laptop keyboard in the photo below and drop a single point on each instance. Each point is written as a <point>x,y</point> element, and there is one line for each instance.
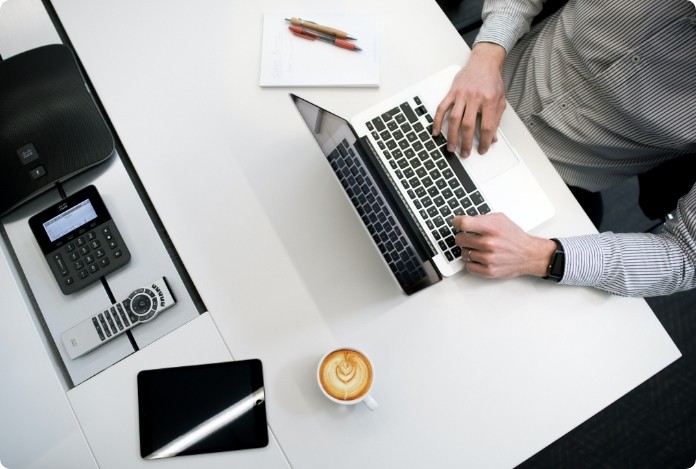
<point>433,179</point>
<point>375,213</point>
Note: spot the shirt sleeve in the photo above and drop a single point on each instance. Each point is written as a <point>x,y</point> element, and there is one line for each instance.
<point>637,264</point>
<point>505,21</point>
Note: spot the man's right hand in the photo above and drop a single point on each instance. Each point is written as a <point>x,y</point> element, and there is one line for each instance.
<point>495,247</point>
<point>477,90</point>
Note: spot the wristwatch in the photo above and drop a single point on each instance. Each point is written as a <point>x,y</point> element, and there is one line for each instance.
<point>557,263</point>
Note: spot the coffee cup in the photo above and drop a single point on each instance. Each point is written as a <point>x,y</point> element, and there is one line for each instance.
<point>345,375</point>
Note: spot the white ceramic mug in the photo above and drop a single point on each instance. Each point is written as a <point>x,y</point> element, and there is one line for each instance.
<point>345,375</point>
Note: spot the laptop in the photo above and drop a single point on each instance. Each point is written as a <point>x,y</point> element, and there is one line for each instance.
<point>406,187</point>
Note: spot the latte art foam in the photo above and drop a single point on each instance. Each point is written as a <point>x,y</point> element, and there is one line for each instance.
<point>345,375</point>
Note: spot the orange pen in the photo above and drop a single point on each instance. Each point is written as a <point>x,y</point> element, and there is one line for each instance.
<point>312,35</point>
<point>337,33</point>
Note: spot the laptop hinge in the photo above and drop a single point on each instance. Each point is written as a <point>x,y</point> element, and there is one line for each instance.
<point>416,232</point>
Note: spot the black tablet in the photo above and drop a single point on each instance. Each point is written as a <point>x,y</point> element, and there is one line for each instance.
<point>202,409</point>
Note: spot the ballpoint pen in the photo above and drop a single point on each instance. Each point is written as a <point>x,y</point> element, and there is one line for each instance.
<point>312,35</point>
<point>319,28</point>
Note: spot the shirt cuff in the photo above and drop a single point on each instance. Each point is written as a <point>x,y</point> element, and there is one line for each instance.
<point>502,29</point>
<point>584,260</point>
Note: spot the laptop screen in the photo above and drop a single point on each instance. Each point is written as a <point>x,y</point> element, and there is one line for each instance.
<point>370,196</point>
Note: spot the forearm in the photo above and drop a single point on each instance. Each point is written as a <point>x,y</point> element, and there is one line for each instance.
<point>636,264</point>
<point>505,21</point>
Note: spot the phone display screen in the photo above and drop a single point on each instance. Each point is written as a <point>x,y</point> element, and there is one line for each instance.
<point>70,220</point>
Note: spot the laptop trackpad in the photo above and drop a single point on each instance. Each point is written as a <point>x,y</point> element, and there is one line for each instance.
<point>498,159</point>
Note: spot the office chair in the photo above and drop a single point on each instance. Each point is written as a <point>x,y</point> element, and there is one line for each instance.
<point>660,188</point>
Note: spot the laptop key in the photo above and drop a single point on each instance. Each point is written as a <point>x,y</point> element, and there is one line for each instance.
<point>412,117</point>
<point>476,198</point>
<point>379,125</point>
<point>483,209</point>
<point>459,170</point>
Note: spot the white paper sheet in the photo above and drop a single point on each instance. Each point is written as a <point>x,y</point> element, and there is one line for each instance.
<point>288,60</point>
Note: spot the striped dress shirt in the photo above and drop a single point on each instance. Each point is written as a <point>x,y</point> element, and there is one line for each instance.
<point>608,89</point>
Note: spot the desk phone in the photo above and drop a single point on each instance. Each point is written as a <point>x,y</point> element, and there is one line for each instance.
<point>79,240</point>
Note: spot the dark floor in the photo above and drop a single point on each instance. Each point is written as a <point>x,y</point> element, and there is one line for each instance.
<point>654,426</point>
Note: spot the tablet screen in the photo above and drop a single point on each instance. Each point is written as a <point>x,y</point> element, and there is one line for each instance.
<point>201,409</point>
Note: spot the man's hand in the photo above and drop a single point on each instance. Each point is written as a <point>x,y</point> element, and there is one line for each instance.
<point>477,89</point>
<point>498,248</point>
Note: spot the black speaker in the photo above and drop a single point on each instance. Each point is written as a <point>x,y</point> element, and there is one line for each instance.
<point>50,127</point>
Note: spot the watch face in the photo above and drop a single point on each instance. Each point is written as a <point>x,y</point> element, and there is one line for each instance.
<point>557,265</point>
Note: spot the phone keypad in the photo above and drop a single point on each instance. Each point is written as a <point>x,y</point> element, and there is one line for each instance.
<point>88,257</point>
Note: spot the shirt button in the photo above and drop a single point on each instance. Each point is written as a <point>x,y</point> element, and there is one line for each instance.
<point>635,59</point>
<point>564,105</point>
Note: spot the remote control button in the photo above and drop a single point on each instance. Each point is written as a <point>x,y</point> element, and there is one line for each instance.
<point>116,318</point>
<point>78,265</point>
<point>102,321</point>
<point>70,247</point>
<point>80,241</point>
<point>90,236</point>
<point>111,322</point>
<point>95,244</point>
<point>119,308</point>
<point>118,253</point>
<point>84,250</point>
<point>83,274</point>
<point>131,315</point>
<point>141,304</point>
<point>74,256</point>
<point>98,328</point>
<point>69,281</point>
<point>104,262</point>
<point>100,253</point>
<point>148,315</point>
<point>89,258</point>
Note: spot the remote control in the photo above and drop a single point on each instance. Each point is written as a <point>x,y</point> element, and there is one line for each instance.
<point>142,305</point>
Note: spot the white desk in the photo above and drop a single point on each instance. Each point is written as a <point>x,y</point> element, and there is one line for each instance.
<point>471,373</point>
